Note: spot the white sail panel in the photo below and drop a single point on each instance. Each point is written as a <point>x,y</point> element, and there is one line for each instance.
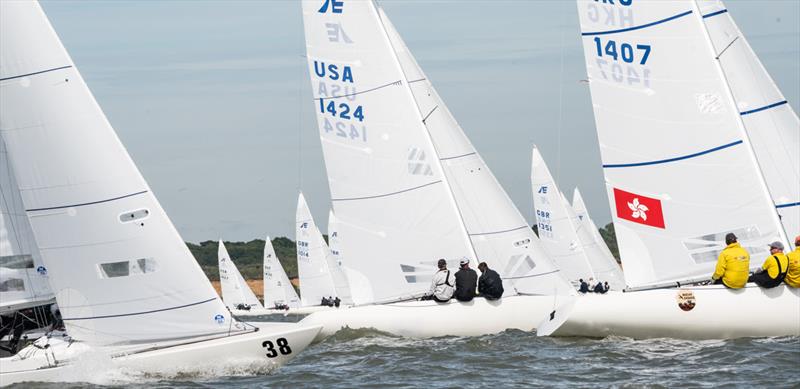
<point>119,269</point>
<point>312,258</point>
<point>582,213</point>
<point>235,290</point>
<point>499,234</point>
<point>335,262</point>
<point>677,164</point>
<point>277,287</point>
<point>771,123</point>
<point>387,188</point>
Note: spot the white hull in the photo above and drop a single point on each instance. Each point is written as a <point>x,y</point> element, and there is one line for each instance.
<point>718,313</point>
<point>78,362</point>
<point>427,319</point>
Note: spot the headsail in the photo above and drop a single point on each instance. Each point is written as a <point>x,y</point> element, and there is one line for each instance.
<point>336,263</point>
<point>679,170</point>
<point>312,258</point>
<point>583,215</point>
<point>277,287</point>
<point>120,271</point>
<point>235,290</point>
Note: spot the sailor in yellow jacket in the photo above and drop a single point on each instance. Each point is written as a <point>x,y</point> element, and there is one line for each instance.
<point>773,272</point>
<point>733,265</point>
<point>793,274</point>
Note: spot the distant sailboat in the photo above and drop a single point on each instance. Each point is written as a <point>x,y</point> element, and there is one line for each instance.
<point>408,188</point>
<point>236,294</point>
<point>127,286</point>
<point>581,211</point>
<point>278,290</point>
<point>683,167</point>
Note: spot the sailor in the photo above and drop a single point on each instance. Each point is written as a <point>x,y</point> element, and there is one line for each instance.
<point>733,264</point>
<point>793,274</point>
<point>490,286</point>
<point>324,301</point>
<point>466,281</point>
<point>584,288</point>
<point>599,288</point>
<point>606,287</point>
<point>337,301</point>
<point>441,289</point>
<point>330,301</point>
<point>591,284</point>
<point>773,272</point>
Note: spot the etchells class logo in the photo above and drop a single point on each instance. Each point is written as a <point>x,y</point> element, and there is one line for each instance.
<point>686,300</point>
<point>332,5</point>
<point>219,319</point>
<point>639,209</point>
<point>41,270</point>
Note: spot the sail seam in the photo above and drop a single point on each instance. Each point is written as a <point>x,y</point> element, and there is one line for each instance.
<point>141,313</point>
<point>458,156</point>
<point>787,205</point>
<point>532,275</point>
<point>387,194</point>
<point>498,232</point>
<point>725,146</point>
<point>83,204</point>
<point>398,82</point>
<point>35,73</point>
<point>680,15</point>
<point>764,108</point>
<point>715,13</point>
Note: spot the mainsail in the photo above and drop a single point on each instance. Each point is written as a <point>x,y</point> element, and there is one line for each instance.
<point>678,164</point>
<point>406,184</point>
<point>235,291</point>
<point>119,269</point>
<point>312,258</point>
<point>23,276</point>
<point>277,287</point>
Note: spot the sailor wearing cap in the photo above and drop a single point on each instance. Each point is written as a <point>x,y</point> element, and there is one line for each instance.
<point>774,269</point>
<point>466,281</point>
<point>733,264</point>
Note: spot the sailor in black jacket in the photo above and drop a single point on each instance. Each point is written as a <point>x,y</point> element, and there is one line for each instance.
<point>490,285</point>
<point>466,281</point>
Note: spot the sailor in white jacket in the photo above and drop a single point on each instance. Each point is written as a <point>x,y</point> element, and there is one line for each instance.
<point>442,285</point>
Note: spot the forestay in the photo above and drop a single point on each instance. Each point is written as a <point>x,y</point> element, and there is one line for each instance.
<point>235,291</point>
<point>336,263</point>
<point>312,258</point>
<point>771,123</point>
<point>119,269</point>
<point>679,170</point>
<point>23,277</point>
<point>277,287</point>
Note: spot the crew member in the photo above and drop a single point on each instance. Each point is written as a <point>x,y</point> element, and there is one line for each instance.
<point>466,282</point>
<point>774,269</point>
<point>793,274</point>
<point>441,289</point>
<point>490,286</point>
<point>584,288</point>
<point>733,264</point>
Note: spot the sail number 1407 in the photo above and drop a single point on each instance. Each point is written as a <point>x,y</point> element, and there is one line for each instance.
<point>625,51</point>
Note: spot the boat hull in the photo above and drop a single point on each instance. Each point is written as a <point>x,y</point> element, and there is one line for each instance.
<point>78,362</point>
<point>427,319</point>
<point>715,312</point>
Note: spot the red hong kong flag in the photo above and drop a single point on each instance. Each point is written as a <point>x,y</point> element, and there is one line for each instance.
<point>639,209</point>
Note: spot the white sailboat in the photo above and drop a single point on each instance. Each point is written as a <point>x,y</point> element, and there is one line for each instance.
<point>582,212</point>
<point>129,291</point>
<point>278,290</point>
<point>236,294</point>
<point>408,188</point>
<point>564,235</point>
<point>682,169</point>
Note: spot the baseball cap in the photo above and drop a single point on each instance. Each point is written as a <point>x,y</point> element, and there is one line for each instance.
<point>776,245</point>
<point>463,261</point>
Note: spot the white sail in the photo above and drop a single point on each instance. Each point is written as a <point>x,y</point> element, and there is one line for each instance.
<point>119,269</point>
<point>23,276</point>
<point>235,291</point>
<point>678,166</point>
<point>335,262</point>
<point>312,258</point>
<point>771,123</point>
<point>277,287</point>
<point>582,212</point>
<point>413,189</point>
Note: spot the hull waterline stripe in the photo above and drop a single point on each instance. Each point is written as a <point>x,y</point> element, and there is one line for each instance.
<point>498,232</point>
<point>637,27</point>
<point>766,107</point>
<point>398,82</point>
<point>35,73</point>
<point>83,204</point>
<point>618,165</point>
<point>715,13</point>
<point>457,156</point>
<point>788,205</point>
<point>387,194</point>
<point>141,313</point>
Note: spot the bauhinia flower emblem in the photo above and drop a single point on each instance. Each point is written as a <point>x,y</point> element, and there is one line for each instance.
<point>639,210</point>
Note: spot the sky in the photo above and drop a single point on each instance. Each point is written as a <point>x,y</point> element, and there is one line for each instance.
<point>213,102</point>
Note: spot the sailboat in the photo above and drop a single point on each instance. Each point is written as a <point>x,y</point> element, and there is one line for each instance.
<point>564,236</point>
<point>129,290</point>
<point>236,294</point>
<point>582,212</point>
<point>676,93</point>
<point>279,293</point>
<point>408,188</point>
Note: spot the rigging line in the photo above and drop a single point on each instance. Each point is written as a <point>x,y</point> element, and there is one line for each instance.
<point>726,48</point>
<point>398,82</point>
<point>387,194</point>
<point>143,312</point>
<point>697,154</point>
<point>764,108</point>
<point>35,73</point>
<point>499,232</point>
<point>89,203</point>
<point>429,115</point>
<point>680,15</point>
<point>532,275</point>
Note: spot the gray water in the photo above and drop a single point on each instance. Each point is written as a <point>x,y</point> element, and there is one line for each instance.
<point>364,358</point>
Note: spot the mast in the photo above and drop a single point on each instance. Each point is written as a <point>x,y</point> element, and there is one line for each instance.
<point>740,124</point>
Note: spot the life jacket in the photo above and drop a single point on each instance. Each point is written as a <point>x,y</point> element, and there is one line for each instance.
<point>770,282</point>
